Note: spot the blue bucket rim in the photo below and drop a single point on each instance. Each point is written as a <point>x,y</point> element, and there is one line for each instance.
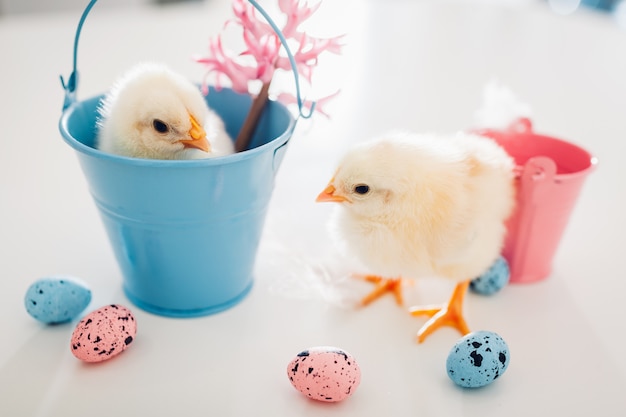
<point>178,163</point>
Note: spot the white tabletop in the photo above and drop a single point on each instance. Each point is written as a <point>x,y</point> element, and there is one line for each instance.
<point>418,65</point>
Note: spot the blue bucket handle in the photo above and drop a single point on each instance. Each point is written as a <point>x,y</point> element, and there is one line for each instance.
<point>72,82</point>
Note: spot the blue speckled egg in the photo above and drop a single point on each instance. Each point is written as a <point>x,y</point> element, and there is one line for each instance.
<point>494,279</point>
<point>57,299</point>
<point>478,359</point>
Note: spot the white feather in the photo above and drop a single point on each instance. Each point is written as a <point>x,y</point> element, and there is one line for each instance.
<point>500,107</point>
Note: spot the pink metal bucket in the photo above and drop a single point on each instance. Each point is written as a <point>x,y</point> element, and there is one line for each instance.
<point>550,174</point>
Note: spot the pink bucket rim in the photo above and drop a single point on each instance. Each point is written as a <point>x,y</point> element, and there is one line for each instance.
<point>522,128</point>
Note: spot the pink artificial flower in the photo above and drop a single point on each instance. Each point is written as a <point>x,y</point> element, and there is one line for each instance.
<point>264,46</point>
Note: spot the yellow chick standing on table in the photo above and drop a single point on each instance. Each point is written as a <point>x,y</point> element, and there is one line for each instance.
<point>152,112</point>
<point>416,206</point>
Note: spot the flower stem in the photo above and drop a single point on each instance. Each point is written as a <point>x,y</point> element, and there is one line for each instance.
<point>252,119</point>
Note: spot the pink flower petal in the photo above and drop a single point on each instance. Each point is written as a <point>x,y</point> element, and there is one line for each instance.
<point>297,12</point>
<point>287,99</point>
<point>245,14</point>
<point>262,55</point>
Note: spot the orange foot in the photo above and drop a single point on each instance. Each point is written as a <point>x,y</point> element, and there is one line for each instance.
<point>383,286</point>
<point>448,315</point>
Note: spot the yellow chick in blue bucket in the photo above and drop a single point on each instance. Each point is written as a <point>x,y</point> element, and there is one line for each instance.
<point>153,112</point>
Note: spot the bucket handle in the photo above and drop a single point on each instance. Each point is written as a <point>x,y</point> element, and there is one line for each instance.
<point>538,173</point>
<point>536,180</point>
<point>72,82</point>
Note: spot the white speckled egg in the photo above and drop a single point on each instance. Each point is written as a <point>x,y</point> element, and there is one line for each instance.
<point>478,359</point>
<point>494,279</point>
<point>103,333</point>
<point>324,373</point>
<point>56,299</point>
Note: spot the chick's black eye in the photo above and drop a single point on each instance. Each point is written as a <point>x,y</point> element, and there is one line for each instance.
<point>160,126</point>
<point>362,189</point>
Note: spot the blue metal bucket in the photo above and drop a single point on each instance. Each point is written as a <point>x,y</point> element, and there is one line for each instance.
<point>185,233</point>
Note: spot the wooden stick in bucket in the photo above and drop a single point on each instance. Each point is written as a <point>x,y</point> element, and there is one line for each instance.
<point>252,119</point>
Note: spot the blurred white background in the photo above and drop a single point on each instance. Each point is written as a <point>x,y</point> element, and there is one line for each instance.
<point>617,8</point>
<point>43,6</point>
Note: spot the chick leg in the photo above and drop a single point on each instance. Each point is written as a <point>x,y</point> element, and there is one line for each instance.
<point>448,315</point>
<point>383,286</point>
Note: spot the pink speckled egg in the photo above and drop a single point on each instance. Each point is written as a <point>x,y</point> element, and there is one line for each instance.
<point>324,373</point>
<point>103,333</point>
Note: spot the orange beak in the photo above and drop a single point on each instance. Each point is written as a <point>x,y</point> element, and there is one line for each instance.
<point>329,195</point>
<point>198,137</point>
